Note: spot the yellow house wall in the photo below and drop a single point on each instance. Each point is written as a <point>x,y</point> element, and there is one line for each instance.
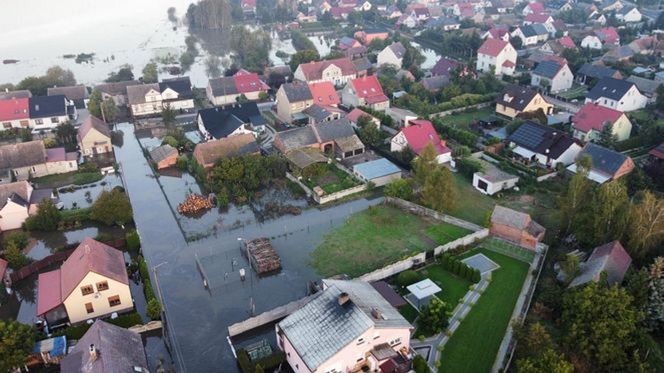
<point>75,302</point>
<point>94,136</point>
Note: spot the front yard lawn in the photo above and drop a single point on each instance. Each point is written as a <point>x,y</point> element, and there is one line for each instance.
<point>76,178</point>
<point>464,119</point>
<point>474,345</point>
<point>444,233</point>
<point>471,205</point>
<point>371,239</point>
<point>330,178</point>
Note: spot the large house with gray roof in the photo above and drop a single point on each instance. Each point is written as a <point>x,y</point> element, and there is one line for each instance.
<point>552,76</point>
<point>347,327</point>
<point>617,94</point>
<point>31,159</point>
<point>330,137</point>
<point>293,98</point>
<point>607,165</point>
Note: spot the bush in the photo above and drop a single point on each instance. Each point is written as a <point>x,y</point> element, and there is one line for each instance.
<point>20,239</point>
<point>420,365</point>
<point>127,320</point>
<point>154,309</point>
<point>477,276</point>
<point>170,140</point>
<point>468,166</point>
<point>46,218</point>
<point>182,163</point>
<point>408,277</point>
<point>112,208</point>
<point>133,241</point>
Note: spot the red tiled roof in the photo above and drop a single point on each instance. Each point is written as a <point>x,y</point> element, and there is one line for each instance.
<point>92,256</point>
<point>618,259</point>
<point>607,35</point>
<point>421,133</point>
<point>368,88</point>
<point>492,47</point>
<point>14,109</point>
<point>567,42</point>
<point>508,63</point>
<point>593,117</point>
<point>537,17</point>
<point>246,82</point>
<point>536,7</point>
<point>323,93</point>
<point>49,295</point>
<point>314,70</point>
<point>658,152</point>
<point>56,155</point>
<point>355,115</point>
<point>498,32</point>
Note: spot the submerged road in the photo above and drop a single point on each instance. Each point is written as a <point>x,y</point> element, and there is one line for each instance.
<point>197,318</point>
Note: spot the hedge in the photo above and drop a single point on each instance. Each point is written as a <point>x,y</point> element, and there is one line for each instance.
<point>154,312</point>
<point>133,241</point>
<point>77,331</point>
<point>408,277</point>
<point>267,363</point>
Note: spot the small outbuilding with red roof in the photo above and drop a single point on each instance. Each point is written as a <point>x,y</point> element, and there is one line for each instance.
<point>418,135</point>
<point>91,283</point>
<point>591,119</point>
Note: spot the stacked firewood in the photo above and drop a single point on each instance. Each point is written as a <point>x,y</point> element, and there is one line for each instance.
<point>195,203</point>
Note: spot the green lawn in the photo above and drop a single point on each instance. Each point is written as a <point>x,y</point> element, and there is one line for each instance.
<point>474,345</point>
<point>369,240</point>
<point>444,233</point>
<point>464,119</point>
<point>471,205</point>
<point>453,287</point>
<point>331,180</point>
<point>59,180</point>
<point>409,312</point>
<point>576,92</point>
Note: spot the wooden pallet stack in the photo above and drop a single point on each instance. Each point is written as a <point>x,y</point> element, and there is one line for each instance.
<point>194,204</point>
<point>262,255</point>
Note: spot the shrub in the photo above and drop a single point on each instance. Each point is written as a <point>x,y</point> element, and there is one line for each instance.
<point>420,365</point>
<point>477,276</point>
<point>182,163</point>
<point>46,218</point>
<point>133,241</point>
<point>18,238</point>
<point>408,277</point>
<point>468,166</point>
<point>154,309</point>
<point>127,320</point>
<point>14,256</point>
<point>112,208</point>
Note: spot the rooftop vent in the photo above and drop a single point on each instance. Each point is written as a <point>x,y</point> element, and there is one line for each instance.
<point>376,314</point>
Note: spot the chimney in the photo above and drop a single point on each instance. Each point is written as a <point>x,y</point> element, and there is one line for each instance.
<point>376,314</point>
<point>344,298</point>
<point>93,352</point>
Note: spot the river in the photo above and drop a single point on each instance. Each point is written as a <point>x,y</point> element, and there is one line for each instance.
<point>117,32</point>
<point>198,317</point>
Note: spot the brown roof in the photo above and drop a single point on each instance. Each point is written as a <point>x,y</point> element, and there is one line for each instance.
<point>22,154</point>
<point>92,256</point>
<point>75,92</point>
<point>209,153</point>
<point>19,188</point>
<point>97,124</point>
<point>314,70</point>
<point>116,89</point>
<point>136,93</point>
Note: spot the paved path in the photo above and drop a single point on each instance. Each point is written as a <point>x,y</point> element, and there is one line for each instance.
<point>460,312</point>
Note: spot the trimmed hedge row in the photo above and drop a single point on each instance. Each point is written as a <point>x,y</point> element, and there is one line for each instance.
<point>154,307</point>
<point>454,265</point>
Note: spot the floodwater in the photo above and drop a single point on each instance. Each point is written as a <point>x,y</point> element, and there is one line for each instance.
<point>198,317</point>
<point>80,197</point>
<point>47,243</point>
<point>117,32</point>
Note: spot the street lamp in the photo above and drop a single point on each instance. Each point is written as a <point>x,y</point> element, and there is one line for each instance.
<point>156,281</point>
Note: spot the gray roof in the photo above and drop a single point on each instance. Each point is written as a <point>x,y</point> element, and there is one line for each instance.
<point>610,88</point>
<point>22,154</point>
<point>596,71</point>
<point>15,94</point>
<point>376,168</point>
<point>494,174</point>
<point>398,49</point>
<point>512,218</point>
<point>435,83</point>
<point>76,92</point>
<point>116,89</point>
<point>160,153</point>
<point>604,160</point>
<point>296,138</point>
<point>644,85</point>
<point>362,64</point>
<point>319,113</point>
<point>12,191</point>
<point>533,30</point>
<point>315,134</point>
<point>297,92</point>
<point>323,327</point>
<point>610,258</point>
<point>136,93</point>
<point>118,350</point>
<point>547,69</point>
<point>334,129</point>
<point>223,86</point>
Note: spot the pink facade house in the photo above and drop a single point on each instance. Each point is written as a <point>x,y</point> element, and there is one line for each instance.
<point>348,327</point>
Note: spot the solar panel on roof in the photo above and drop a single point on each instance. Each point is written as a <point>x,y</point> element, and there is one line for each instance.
<point>528,135</point>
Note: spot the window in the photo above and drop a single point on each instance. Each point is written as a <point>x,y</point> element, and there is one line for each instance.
<point>7,125</point>
<point>395,342</point>
<point>55,120</point>
<point>360,341</point>
<point>114,301</point>
<point>39,122</point>
<point>101,286</point>
<point>89,308</point>
<point>87,289</point>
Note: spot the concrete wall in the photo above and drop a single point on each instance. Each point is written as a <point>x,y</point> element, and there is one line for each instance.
<point>328,197</point>
<point>420,210</point>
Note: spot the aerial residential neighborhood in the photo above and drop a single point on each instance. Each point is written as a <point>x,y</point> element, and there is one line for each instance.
<point>332,186</point>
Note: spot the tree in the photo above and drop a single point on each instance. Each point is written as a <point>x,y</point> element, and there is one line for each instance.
<point>646,224</point>
<point>570,266</point>
<point>602,324</point>
<point>110,110</point>
<point>610,212</point>
<point>434,316</point>
<point>548,362</point>
<point>212,64</point>
<point>14,255</point>
<point>112,208</point>
<point>575,199</point>
<point>150,73</point>
<point>303,57</point>
<point>439,191</point>
<point>122,75</point>
<point>55,76</point>
<point>400,188</point>
<point>16,343</point>
<point>655,306</point>
<point>210,14</point>
<point>168,115</point>
<point>94,104</point>
<point>369,132</point>
<point>186,60</point>
<point>424,164</point>
<point>536,337</point>
<point>46,218</point>
<point>606,137</point>
<point>408,277</point>
<point>66,134</point>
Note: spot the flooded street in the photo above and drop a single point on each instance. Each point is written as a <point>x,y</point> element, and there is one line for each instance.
<point>198,317</point>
